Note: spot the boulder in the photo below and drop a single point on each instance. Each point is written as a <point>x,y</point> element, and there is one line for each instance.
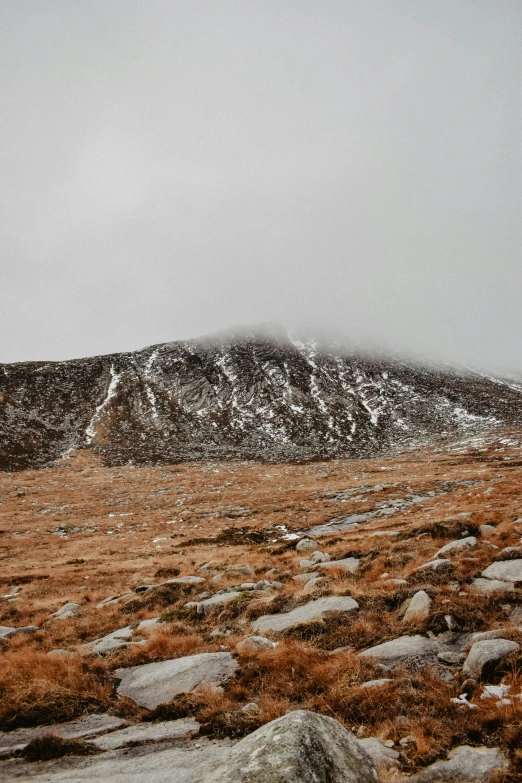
<point>253,643</point>
<point>487,530</point>
<point>515,615</point>
<point>67,610</point>
<point>313,584</point>
<point>306,545</point>
<point>181,729</point>
<point>241,569</point>
<point>457,546</point>
<point>376,683</point>
<point>418,609</point>
<point>488,586</point>
<point>465,765</point>
<point>156,683</point>
<point>315,610</point>
<point>505,571</point>
<point>439,565</point>
<point>6,631</point>
<point>484,653</point>
<point>510,553</point>
<point>306,564</point>
<point>306,577</point>
<point>381,756</point>
<point>349,564</point>
<point>299,747</point>
<point>413,650</point>
<point>206,606</point>
<point>185,580</point>
<point>113,641</point>
<point>319,557</point>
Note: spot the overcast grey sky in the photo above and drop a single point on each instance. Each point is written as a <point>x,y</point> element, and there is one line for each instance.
<point>171,168</point>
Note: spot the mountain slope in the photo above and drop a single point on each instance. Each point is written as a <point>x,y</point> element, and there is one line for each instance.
<point>238,398</point>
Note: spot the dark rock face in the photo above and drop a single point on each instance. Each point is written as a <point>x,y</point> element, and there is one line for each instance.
<point>249,398</point>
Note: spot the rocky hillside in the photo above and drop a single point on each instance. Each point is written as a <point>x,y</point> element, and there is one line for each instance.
<point>249,397</point>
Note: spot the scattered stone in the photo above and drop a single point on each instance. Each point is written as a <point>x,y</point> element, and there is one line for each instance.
<point>271,572</point>
<point>487,530</point>
<point>413,650</point>
<point>436,565</point>
<point>185,580</point>
<point>112,599</point>
<point>516,615</point>
<point>306,564</point>
<point>156,683</point>
<point>312,584</point>
<point>451,658</point>
<point>505,570</point>
<point>306,545</point>
<point>67,610</point>
<point>306,577</point>
<point>252,643</point>
<point>465,765</point>
<point>349,564</point>
<point>320,557</point>
<point>396,581</point>
<point>496,633</point>
<point>6,631</point>
<point>181,729</point>
<point>315,610</point>
<point>206,606</point>
<point>418,609</point>
<point>376,683</point>
<point>389,533</point>
<point>251,708</point>
<point>113,641</point>
<point>148,623</point>
<point>248,586</point>
<point>488,586</point>
<point>408,740</point>
<point>456,546</point>
<point>299,747</point>
<point>241,569</point>
<point>509,553</point>
<point>469,686</point>
<point>485,653</point>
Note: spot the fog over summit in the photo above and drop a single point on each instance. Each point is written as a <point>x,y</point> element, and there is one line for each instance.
<point>175,169</point>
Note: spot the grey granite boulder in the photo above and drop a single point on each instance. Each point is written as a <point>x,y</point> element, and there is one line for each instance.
<point>253,643</point>
<point>484,653</point>
<point>440,565</point>
<point>415,650</point>
<point>6,631</point>
<point>505,570</point>
<point>457,546</point>
<point>306,545</point>
<point>181,729</point>
<point>67,610</point>
<point>418,609</point>
<point>113,641</point>
<point>314,610</point>
<point>488,586</point>
<point>382,757</point>
<point>349,564</point>
<point>464,765</point>
<point>206,606</point>
<point>156,683</point>
<point>299,747</point>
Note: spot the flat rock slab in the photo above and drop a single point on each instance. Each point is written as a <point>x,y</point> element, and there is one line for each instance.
<point>156,683</point>
<point>299,747</point>
<point>113,641</point>
<point>142,764</point>
<point>406,649</point>
<point>464,765</point>
<point>487,586</point>
<point>6,631</point>
<point>486,652</point>
<point>186,580</point>
<point>349,565</point>
<point>505,571</point>
<point>206,606</point>
<point>439,565</point>
<point>83,728</point>
<point>149,732</point>
<point>314,610</point>
<point>379,753</point>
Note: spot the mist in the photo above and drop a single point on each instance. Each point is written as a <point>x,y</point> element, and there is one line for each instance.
<point>172,170</point>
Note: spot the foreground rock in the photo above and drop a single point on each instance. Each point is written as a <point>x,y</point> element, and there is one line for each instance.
<point>418,609</point>
<point>181,729</point>
<point>464,765</point>
<point>488,586</point>
<point>413,650</point>
<point>314,610</point>
<point>457,546</point>
<point>505,571</point>
<point>89,726</point>
<point>484,653</point>
<point>156,683</point>
<point>300,747</point>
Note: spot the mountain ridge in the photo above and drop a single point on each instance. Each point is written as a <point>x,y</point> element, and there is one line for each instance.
<point>240,397</point>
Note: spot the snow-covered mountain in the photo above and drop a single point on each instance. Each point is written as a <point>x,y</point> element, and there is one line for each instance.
<point>247,397</point>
